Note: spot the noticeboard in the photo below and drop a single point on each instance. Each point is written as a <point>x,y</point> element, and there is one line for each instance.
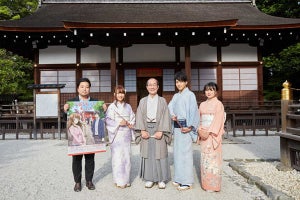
<point>46,105</point>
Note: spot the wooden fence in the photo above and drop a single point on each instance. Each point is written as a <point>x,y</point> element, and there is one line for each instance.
<point>16,120</point>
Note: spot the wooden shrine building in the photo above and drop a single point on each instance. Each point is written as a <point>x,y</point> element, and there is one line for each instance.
<point>128,41</point>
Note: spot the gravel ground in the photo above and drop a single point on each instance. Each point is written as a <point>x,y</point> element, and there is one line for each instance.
<point>41,169</point>
<point>287,182</point>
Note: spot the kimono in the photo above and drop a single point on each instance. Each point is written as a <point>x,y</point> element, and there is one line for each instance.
<point>76,135</point>
<point>154,165</point>
<point>120,141</point>
<point>212,118</point>
<point>184,106</point>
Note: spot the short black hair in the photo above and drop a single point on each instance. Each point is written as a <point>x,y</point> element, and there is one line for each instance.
<point>83,80</point>
<point>180,76</point>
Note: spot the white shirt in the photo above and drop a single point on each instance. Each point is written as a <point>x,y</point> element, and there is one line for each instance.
<point>152,108</point>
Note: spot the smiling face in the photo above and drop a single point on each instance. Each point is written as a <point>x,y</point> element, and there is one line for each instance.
<point>120,96</point>
<point>210,93</point>
<point>181,85</point>
<point>152,86</point>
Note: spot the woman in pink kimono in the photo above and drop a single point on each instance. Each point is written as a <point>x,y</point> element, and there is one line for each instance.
<point>120,120</point>
<point>75,132</point>
<point>210,132</point>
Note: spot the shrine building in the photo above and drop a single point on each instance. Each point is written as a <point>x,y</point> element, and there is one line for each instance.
<point>126,42</point>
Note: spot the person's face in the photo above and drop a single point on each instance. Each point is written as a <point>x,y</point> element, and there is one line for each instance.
<point>83,89</point>
<point>120,96</point>
<point>210,93</point>
<point>76,120</point>
<point>181,85</point>
<point>152,87</point>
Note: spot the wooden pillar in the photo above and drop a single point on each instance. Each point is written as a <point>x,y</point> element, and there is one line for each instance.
<point>113,67</point>
<point>78,60</point>
<point>120,67</point>
<point>177,56</point>
<point>187,62</point>
<point>36,74</point>
<point>260,75</point>
<point>219,72</point>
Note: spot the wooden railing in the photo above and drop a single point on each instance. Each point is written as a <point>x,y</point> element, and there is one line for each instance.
<point>256,116</point>
<point>252,120</point>
<point>290,135</point>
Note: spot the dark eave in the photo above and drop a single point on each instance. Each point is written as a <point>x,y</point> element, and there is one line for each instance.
<point>215,24</point>
<point>266,27</point>
<point>62,16</point>
<point>32,29</point>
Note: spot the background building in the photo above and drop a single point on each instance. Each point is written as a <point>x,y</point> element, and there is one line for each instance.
<point>126,42</point>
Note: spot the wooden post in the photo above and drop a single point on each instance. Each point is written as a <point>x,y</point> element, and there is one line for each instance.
<point>113,67</point>
<point>188,62</point>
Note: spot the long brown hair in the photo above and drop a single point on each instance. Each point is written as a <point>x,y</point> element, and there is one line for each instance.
<point>71,119</point>
<point>119,89</point>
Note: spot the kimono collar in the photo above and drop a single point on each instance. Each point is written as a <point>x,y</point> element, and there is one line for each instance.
<point>184,90</point>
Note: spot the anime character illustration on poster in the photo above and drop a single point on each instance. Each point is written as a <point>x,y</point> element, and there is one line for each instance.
<point>85,127</point>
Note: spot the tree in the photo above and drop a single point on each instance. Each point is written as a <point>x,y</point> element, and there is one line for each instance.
<point>281,67</point>
<point>16,73</point>
<point>285,65</point>
<point>283,8</point>
<point>16,9</point>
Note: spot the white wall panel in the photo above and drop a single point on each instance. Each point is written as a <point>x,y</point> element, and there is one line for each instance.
<point>57,55</point>
<point>149,53</point>
<point>239,53</point>
<point>201,53</point>
<point>95,54</point>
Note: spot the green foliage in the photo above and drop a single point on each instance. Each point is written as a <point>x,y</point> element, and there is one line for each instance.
<point>280,8</point>
<point>281,67</point>
<point>286,64</point>
<point>16,73</point>
<point>16,9</point>
<point>98,107</point>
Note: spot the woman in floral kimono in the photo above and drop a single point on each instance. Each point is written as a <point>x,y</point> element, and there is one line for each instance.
<point>210,132</point>
<point>120,120</point>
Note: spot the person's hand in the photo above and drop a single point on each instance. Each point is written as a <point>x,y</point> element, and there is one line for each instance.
<point>104,106</point>
<point>145,134</point>
<point>186,129</point>
<point>123,123</point>
<point>174,117</point>
<point>158,135</point>
<point>66,107</point>
<point>129,125</point>
<point>203,134</point>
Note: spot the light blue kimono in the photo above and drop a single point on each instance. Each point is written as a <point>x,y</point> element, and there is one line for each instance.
<point>184,106</point>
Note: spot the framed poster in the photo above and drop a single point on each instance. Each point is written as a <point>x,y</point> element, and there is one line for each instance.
<point>85,127</point>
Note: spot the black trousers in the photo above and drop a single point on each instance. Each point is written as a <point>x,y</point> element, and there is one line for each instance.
<point>89,167</point>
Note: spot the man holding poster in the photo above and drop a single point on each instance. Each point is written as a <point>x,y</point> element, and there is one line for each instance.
<point>79,127</point>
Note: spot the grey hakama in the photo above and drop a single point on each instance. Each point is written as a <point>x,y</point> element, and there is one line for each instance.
<point>152,169</point>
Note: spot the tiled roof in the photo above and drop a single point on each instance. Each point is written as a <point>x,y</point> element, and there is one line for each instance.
<point>52,16</point>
